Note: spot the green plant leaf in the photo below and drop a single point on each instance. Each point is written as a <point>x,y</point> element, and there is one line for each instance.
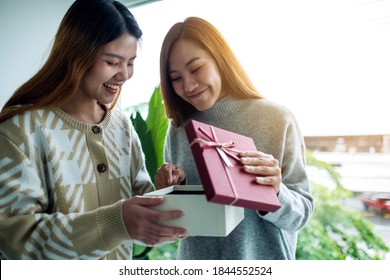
<point>157,123</point>
<point>145,137</point>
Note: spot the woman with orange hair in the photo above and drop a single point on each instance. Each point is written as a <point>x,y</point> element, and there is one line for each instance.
<point>201,79</point>
<point>71,163</point>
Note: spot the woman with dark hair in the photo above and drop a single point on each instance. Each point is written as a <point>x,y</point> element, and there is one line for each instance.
<point>202,79</point>
<point>71,165</point>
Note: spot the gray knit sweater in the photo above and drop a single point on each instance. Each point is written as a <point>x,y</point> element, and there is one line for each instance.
<point>275,131</point>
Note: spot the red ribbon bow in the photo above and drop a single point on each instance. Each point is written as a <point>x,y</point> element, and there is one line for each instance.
<point>223,149</point>
<point>226,148</point>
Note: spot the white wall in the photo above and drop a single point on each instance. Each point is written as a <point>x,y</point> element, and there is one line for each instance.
<point>27,29</point>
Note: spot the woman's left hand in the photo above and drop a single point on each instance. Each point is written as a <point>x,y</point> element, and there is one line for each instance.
<point>265,165</point>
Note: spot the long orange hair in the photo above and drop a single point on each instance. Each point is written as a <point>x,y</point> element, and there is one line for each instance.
<point>235,80</point>
<point>85,28</point>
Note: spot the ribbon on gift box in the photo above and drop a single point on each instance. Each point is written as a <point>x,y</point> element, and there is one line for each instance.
<point>223,149</point>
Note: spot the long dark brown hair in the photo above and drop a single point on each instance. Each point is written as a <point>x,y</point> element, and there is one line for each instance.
<point>85,28</point>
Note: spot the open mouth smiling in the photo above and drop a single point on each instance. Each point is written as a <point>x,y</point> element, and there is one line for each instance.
<point>112,86</point>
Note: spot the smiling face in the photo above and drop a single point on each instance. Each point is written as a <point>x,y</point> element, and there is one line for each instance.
<point>112,67</point>
<point>195,75</point>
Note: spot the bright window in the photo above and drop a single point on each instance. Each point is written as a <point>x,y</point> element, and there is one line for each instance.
<point>326,60</point>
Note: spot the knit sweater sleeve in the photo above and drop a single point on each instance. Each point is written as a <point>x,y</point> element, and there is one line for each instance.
<point>288,147</point>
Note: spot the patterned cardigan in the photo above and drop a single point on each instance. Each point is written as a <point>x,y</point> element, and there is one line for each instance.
<point>62,183</point>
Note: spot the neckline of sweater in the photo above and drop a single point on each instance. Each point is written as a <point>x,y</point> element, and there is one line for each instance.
<point>80,125</point>
<point>225,107</point>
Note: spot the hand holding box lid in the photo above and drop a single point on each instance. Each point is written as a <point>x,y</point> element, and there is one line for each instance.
<point>215,153</point>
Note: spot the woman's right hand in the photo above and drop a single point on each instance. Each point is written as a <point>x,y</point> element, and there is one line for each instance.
<point>167,175</point>
<point>142,222</point>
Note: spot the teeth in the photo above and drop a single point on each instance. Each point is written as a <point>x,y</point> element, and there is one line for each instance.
<point>112,86</point>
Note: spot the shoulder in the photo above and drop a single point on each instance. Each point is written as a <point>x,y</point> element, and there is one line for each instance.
<point>272,107</point>
<point>269,110</point>
<point>119,120</point>
<point>117,113</point>
<point>30,130</point>
<point>28,122</point>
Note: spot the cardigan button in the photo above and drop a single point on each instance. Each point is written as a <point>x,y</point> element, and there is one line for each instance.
<point>101,167</point>
<point>96,129</point>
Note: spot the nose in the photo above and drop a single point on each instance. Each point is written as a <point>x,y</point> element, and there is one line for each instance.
<point>190,84</point>
<point>124,73</point>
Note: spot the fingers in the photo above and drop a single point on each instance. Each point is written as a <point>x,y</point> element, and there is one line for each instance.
<point>169,174</point>
<point>143,223</point>
<point>150,214</point>
<point>258,158</point>
<point>268,180</point>
<point>264,165</point>
<point>151,232</point>
<point>259,162</point>
<point>145,200</point>
<point>156,234</point>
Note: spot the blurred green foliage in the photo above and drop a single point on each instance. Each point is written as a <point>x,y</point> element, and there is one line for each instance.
<point>335,231</point>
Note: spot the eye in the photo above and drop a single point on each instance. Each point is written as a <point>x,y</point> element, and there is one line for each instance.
<point>196,70</point>
<point>130,63</point>
<point>112,63</point>
<point>175,79</point>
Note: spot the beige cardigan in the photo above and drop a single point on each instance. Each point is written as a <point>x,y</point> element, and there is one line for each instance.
<point>62,183</point>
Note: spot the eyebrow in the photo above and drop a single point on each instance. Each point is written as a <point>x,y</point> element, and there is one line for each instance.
<point>117,56</point>
<point>187,64</point>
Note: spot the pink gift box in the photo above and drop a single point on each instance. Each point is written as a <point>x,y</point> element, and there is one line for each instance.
<point>224,180</point>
